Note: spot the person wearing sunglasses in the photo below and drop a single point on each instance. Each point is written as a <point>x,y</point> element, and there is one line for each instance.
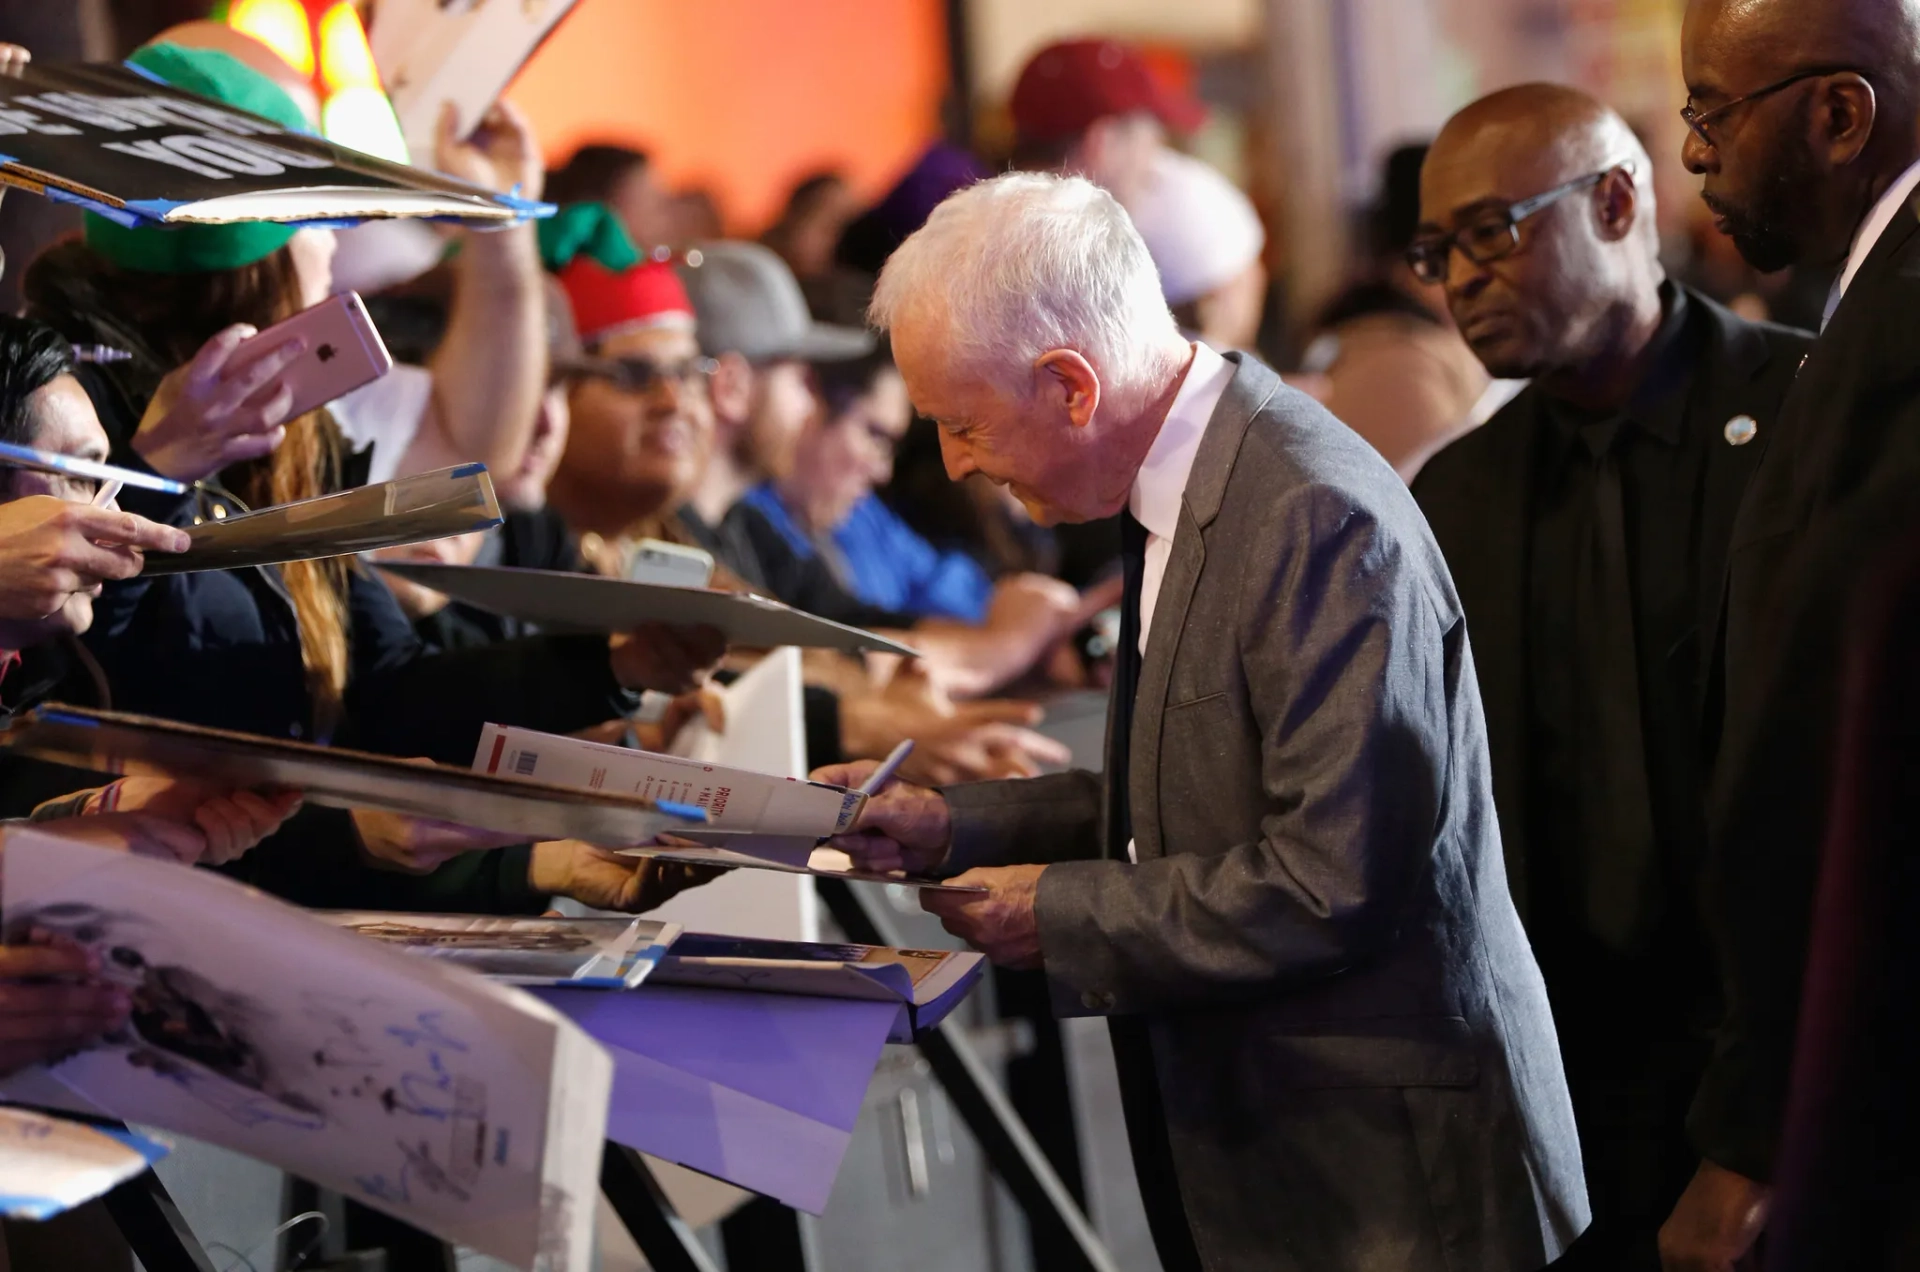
<point>1585,525</point>
<point>1804,125</point>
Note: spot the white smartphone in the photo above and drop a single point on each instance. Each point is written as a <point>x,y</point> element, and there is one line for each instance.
<point>344,351</point>
<point>672,564</point>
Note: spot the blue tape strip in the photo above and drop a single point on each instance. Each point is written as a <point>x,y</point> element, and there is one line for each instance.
<point>62,717</point>
<point>692,812</point>
<point>36,1208</point>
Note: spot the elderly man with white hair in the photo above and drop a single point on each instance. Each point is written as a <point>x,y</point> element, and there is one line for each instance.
<point>1335,1049</point>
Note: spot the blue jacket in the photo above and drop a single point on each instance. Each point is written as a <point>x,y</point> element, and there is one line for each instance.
<point>887,564</point>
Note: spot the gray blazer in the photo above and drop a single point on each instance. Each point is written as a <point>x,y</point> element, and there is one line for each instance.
<point>1353,1046</point>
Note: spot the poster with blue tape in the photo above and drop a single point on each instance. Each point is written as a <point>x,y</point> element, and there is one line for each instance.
<point>140,152</point>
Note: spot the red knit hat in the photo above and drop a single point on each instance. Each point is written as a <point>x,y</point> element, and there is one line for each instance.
<point>606,302</point>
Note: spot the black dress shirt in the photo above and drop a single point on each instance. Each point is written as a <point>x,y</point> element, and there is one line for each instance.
<point>1661,454</point>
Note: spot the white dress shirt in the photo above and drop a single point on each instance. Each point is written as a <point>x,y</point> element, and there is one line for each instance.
<point>1896,198</point>
<point>1161,485</point>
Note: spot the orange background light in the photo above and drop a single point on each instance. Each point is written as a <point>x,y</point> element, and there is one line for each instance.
<point>745,96</point>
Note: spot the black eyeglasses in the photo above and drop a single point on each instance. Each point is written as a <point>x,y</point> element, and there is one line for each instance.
<point>638,375</point>
<point>1493,234</point>
<point>1696,120</point>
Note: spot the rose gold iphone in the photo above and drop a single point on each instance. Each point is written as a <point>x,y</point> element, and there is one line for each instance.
<point>344,351</point>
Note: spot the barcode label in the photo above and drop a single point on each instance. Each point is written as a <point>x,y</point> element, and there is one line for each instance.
<point>523,763</point>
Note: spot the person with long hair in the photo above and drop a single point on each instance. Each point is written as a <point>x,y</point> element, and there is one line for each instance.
<point>312,650</point>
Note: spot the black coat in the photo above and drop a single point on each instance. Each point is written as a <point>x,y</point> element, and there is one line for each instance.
<point>1847,1176</point>
<point>1842,464</point>
<point>1477,496</point>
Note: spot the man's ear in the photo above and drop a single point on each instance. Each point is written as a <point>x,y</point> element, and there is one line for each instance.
<point>1844,113</point>
<point>1616,203</point>
<point>732,390</point>
<point>1065,377</point>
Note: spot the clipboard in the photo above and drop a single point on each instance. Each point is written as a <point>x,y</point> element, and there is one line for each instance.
<point>591,602</point>
<point>120,743</point>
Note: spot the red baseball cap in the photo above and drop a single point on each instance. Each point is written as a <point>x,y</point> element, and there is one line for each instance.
<point>1068,86</point>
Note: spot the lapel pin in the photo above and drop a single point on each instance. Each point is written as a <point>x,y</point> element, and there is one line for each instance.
<point>1740,430</point>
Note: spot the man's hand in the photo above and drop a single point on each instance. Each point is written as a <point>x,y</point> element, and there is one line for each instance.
<point>666,658</point>
<point>972,741</point>
<point>205,416</point>
<point>1034,609</point>
<point>603,880</point>
<point>51,1003</point>
<point>499,154</point>
<point>1715,1223</point>
<point>229,821</point>
<point>419,845</point>
<point>999,923</point>
<point>50,549</point>
<point>904,827</point>
<point>981,741</point>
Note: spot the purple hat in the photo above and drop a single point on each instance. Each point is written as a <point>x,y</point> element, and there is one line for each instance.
<point>872,236</point>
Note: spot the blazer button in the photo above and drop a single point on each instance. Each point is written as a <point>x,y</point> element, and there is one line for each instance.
<point>1097,1000</point>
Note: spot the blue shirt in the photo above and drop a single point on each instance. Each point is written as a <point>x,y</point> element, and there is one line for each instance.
<point>887,564</point>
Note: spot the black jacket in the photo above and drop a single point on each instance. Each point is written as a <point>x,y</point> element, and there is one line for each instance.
<point>313,859</point>
<point>1840,466</point>
<point>1477,496</point>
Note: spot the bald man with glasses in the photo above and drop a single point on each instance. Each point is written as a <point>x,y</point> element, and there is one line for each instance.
<point>1804,121</point>
<point>1586,527</point>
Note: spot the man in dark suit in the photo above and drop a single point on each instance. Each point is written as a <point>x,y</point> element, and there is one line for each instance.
<point>1586,527</point>
<point>1335,1049</point>
<point>1803,121</point>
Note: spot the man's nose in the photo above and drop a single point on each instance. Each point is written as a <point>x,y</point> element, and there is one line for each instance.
<point>1697,156</point>
<point>959,461</point>
<point>1466,278</point>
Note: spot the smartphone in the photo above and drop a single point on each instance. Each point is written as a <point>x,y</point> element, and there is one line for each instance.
<point>672,564</point>
<point>344,352</point>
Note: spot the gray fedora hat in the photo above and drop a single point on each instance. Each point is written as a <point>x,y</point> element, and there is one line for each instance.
<point>748,302</point>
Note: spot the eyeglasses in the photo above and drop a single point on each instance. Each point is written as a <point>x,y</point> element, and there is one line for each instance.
<point>1696,120</point>
<point>640,376</point>
<point>1494,234</point>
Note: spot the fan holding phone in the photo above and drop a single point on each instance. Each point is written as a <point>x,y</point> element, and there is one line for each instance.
<point>233,401</point>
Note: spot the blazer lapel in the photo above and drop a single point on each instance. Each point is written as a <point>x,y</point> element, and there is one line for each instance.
<point>1736,356</point>
<point>1249,390</point>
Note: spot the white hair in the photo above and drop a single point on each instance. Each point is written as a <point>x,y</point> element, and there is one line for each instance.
<point>1029,262</point>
